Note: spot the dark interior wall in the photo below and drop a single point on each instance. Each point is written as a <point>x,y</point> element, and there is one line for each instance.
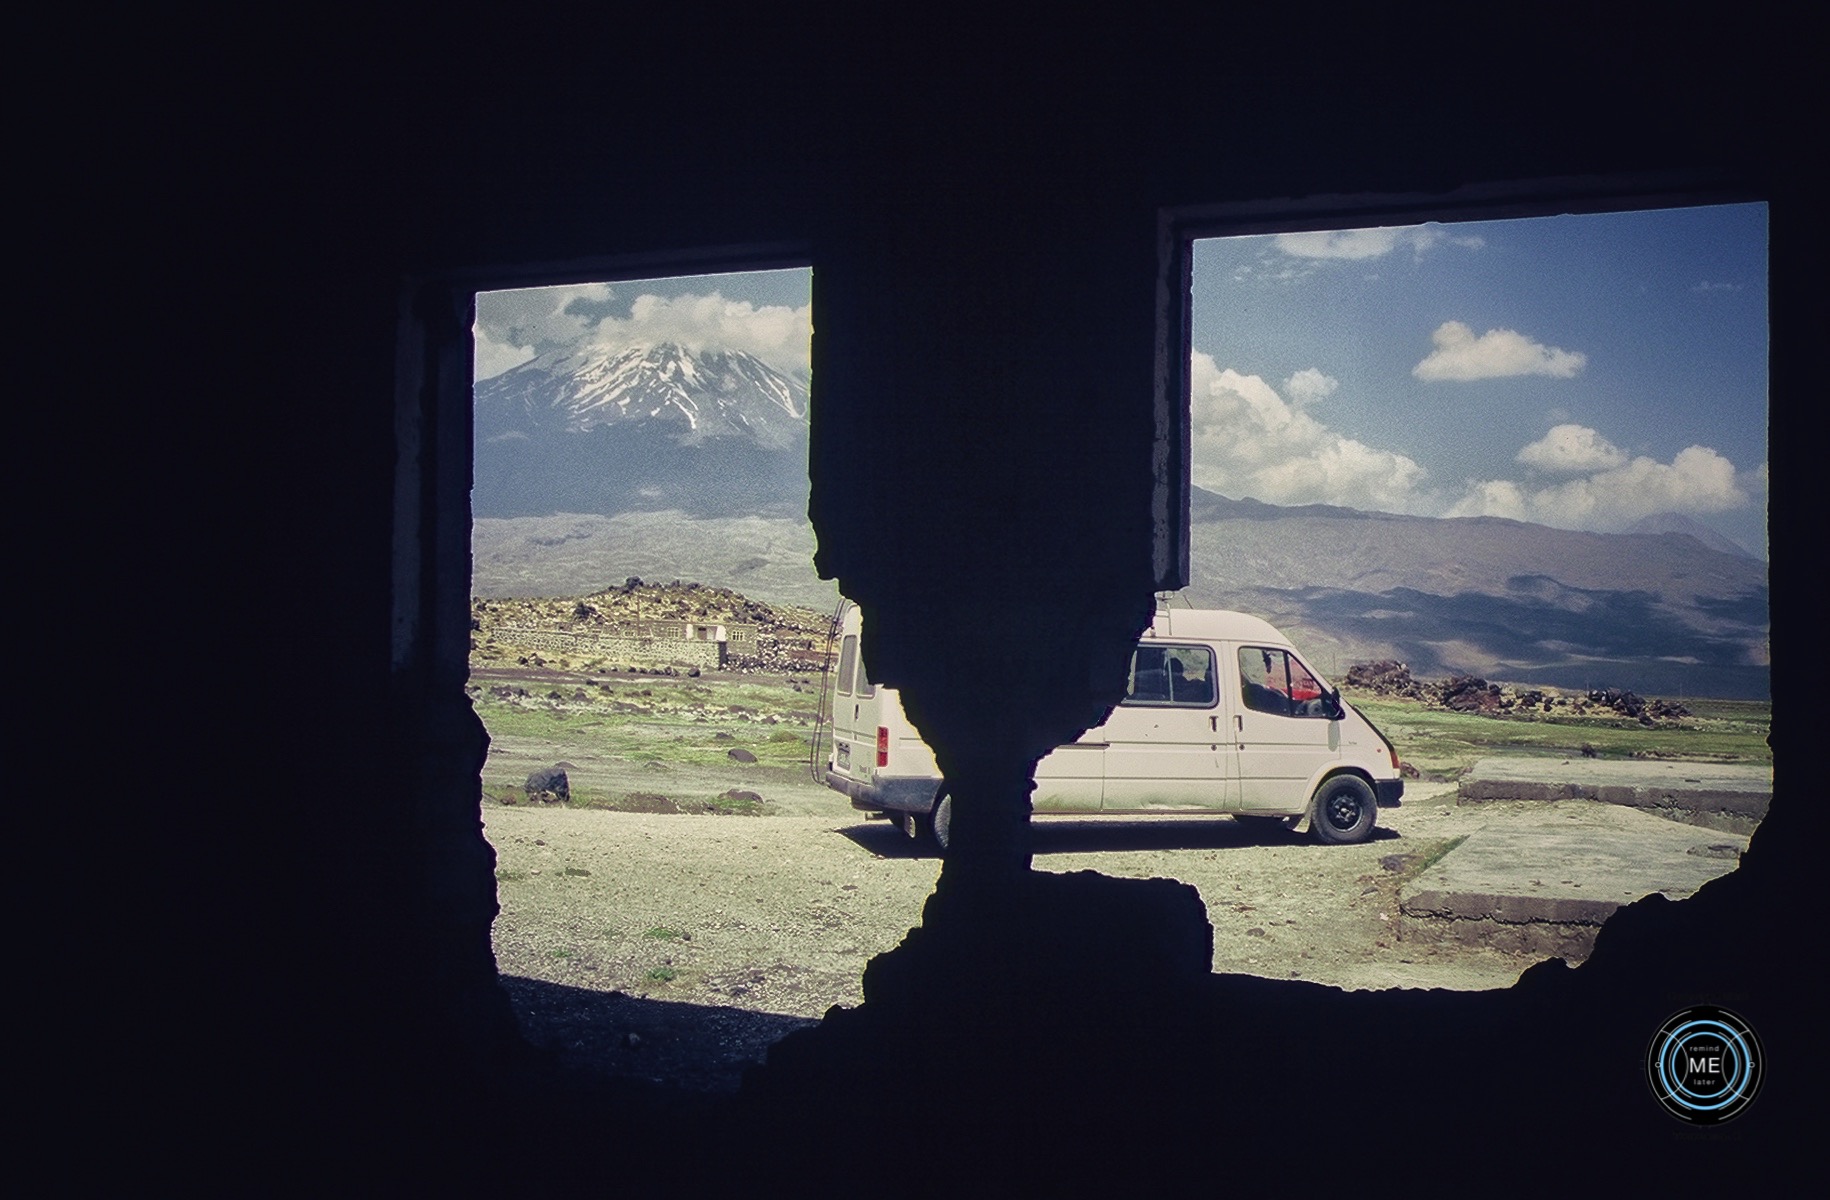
<point>981,204</point>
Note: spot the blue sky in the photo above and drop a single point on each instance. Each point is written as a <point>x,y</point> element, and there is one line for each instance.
<point>1576,371</point>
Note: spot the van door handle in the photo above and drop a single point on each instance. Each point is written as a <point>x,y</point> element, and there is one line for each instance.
<point>1213,723</point>
<point>1239,722</point>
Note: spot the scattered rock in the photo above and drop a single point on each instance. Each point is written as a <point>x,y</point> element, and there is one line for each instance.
<point>1472,694</point>
<point>549,785</point>
<point>741,755</point>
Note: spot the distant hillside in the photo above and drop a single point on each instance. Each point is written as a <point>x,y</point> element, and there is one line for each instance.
<point>573,554</point>
<point>1658,613</point>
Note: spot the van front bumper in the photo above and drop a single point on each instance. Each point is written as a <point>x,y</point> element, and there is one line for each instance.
<point>1390,792</point>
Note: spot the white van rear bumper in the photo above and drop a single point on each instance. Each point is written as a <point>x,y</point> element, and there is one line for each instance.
<point>907,794</point>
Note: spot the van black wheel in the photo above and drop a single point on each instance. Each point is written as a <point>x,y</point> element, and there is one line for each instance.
<point>940,825</point>
<point>1343,811</point>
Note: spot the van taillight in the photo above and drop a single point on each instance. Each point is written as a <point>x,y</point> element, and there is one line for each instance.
<point>883,746</point>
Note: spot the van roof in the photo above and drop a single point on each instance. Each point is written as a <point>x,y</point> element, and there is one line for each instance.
<point>1216,624</point>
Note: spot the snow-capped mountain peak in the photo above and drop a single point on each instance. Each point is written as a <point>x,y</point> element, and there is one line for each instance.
<point>693,395</point>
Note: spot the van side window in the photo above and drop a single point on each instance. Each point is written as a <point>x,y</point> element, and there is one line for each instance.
<point>848,654</point>
<point>1276,681</point>
<point>866,688</point>
<point>1172,675</point>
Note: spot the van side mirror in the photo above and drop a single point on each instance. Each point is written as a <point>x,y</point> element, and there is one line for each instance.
<point>1335,709</point>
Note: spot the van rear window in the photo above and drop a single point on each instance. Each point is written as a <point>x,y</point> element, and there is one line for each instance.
<point>848,657</point>
<point>1182,676</point>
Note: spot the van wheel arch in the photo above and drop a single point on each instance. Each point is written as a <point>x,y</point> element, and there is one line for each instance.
<point>1343,810</point>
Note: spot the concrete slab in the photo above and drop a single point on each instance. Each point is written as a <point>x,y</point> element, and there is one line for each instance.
<point>1729,797</point>
<point>1541,876</point>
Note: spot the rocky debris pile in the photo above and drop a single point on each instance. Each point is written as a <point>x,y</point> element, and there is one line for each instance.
<point>1627,704</point>
<point>1386,677</point>
<point>789,640</point>
<point>1472,694</point>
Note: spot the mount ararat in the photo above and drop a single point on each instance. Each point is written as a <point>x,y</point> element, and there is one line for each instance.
<point>711,433</point>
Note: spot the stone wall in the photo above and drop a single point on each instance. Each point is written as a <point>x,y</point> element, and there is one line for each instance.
<point>657,642</point>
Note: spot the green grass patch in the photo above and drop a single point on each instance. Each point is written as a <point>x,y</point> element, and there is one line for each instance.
<point>1443,744</point>
<point>765,715</point>
<point>1437,853</point>
<point>661,933</point>
<point>663,975</point>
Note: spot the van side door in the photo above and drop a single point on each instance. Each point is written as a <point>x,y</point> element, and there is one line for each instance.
<point>1164,740</point>
<point>1284,730</point>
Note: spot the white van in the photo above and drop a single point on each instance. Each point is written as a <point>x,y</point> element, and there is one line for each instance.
<point>1220,715</point>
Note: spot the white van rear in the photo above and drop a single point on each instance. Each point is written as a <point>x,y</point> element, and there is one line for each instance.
<point>1220,715</point>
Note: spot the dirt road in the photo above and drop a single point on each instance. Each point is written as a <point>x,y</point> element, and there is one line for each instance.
<point>695,941</point>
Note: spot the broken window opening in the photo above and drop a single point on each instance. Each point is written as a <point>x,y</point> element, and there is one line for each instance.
<point>1475,465</point>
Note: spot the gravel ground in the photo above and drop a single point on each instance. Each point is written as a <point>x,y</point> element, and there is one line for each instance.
<point>677,948</point>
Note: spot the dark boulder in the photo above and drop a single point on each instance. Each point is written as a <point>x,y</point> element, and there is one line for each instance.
<point>549,784</point>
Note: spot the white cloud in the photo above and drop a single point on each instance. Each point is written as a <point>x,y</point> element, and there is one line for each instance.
<point>512,327</point>
<point>1697,480</point>
<point>536,318</point>
<point>1249,442</point>
<point>1572,448</point>
<point>1356,245</point>
<point>1309,385</point>
<point>779,335</point>
<point>1496,354</point>
<point>1340,243</point>
<point>494,357</point>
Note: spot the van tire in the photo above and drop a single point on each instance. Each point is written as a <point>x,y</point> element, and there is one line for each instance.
<point>940,824</point>
<point>1343,811</point>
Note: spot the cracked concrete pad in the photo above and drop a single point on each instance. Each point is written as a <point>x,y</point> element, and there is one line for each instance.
<point>1542,876</point>
<point>1732,797</point>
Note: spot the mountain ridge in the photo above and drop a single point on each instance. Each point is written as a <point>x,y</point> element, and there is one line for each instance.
<point>669,463</point>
